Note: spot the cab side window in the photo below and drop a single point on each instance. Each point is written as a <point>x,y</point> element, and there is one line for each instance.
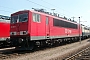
<point>36,17</point>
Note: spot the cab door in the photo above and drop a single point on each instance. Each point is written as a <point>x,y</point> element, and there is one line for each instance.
<point>47,28</point>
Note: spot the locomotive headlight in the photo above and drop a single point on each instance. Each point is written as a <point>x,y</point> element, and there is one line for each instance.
<point>23,32</point>
<point>12,33</point>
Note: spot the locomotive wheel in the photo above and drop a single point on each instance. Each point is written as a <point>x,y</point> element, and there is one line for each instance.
<point>26,46</point>
<point>31,46</point>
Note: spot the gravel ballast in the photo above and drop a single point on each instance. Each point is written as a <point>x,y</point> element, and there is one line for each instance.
<point>56,53</point>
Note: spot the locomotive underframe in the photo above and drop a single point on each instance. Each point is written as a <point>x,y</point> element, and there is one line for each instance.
<point>24,42</point>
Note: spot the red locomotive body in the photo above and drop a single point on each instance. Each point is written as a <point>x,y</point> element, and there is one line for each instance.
<point>32,27</point>
<point>5,30</point>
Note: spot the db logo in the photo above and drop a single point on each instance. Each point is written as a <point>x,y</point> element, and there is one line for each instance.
<point>68,31</point>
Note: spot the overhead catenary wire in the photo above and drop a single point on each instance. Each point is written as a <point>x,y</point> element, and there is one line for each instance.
<point>44,7</point>
<point>7,11</point>
<point>38,4</point>
<point>56,6</point>
<point>7,7</point>
<point>30,2</point>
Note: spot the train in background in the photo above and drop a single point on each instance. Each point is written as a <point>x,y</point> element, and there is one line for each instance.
<point>30,28</point>
<point>85,31</point>
<point>4,30</point>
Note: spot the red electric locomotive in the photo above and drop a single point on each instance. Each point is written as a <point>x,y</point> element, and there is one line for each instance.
<point>37,27</point>
<point>4,30</point>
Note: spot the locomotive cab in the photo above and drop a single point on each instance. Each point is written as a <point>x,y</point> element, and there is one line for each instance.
<point>19,34</point>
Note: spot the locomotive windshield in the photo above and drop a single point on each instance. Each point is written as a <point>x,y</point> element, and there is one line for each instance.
<point>23,17</point>
<point>14,19</point>
<point>19,18</point>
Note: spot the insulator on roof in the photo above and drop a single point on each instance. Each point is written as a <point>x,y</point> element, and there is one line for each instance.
<point>70,19</point>
<point>65,18</point>
<point>73,20</point>
<point>58,15</point>
<point>47,12</point>
<point>55,14</point>
<point>50,13</point>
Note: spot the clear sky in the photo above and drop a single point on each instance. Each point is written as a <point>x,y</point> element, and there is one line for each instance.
<point>68,8</point>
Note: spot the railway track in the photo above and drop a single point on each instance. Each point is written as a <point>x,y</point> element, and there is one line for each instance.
<point>11,53</point>
<point>36,54</point>
<point>5,55</point>
<point>82,55</point>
